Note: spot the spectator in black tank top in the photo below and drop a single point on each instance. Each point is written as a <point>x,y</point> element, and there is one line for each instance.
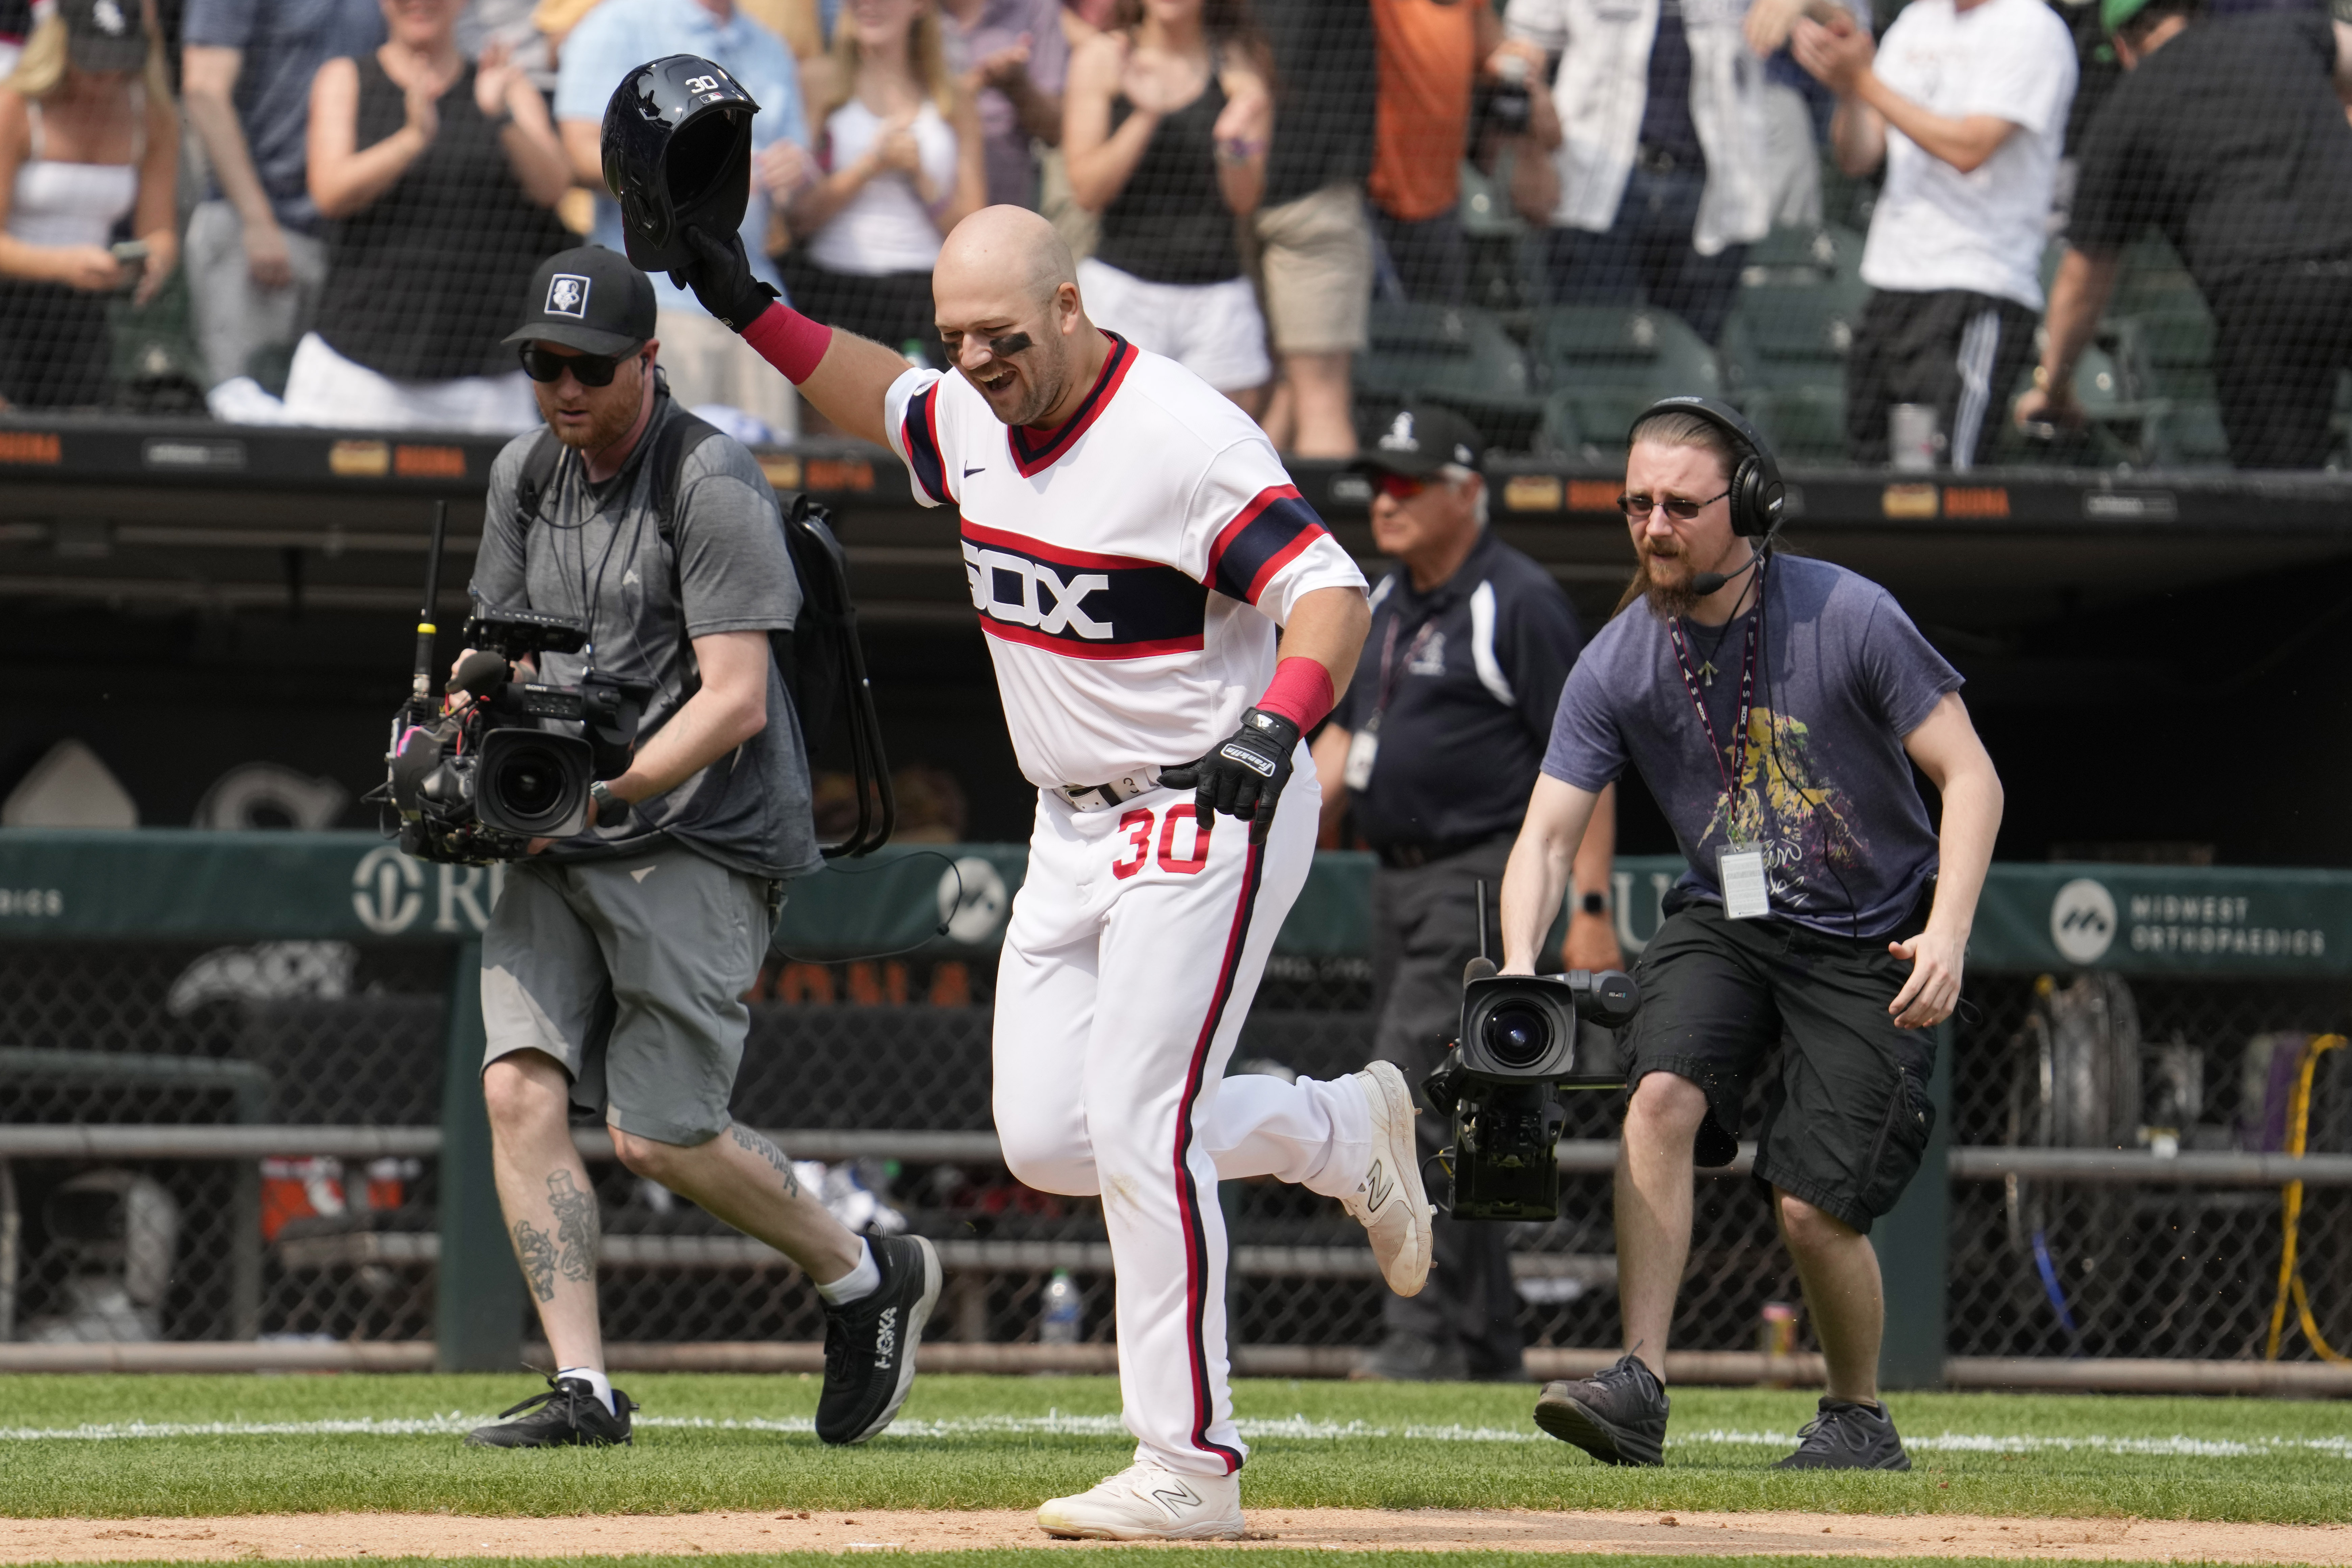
<point>437,178</point>
<point>1165,129</point>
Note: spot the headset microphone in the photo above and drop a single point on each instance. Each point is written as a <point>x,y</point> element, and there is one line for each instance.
<point>1707,583</point>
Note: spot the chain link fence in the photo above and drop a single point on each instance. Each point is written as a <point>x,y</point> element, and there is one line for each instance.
<point>323,1033</point>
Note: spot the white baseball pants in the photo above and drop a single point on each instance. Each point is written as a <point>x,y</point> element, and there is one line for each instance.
<point>1134,948</point>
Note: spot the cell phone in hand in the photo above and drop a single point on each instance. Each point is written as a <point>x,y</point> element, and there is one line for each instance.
<point>129,252</point>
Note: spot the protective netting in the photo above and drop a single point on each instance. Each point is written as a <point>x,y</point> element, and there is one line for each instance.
<point>1504,208</point>
<point>335,1033</point>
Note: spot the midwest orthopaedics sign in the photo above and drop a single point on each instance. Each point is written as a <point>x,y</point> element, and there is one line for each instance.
<point>2215,923</point>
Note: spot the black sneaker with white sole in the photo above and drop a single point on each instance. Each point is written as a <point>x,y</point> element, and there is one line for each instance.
<point>569,1414</point>
<point>869,1343</point>
<point>1618,1415</point>
<point>1846,1435</point>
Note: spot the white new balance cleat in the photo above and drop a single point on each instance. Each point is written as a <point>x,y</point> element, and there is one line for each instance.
<point>1390,1202</point>
<point>1145,1503</point>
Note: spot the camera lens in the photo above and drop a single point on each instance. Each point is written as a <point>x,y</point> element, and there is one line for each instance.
<point>1516,1034</point>
<point>529,783</point>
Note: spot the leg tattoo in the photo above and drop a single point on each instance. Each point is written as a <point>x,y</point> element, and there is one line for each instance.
<point>771,1154</point>
<point>535,1250</point>
<point>575,1225</point>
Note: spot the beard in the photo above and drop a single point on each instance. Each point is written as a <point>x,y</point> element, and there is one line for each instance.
<point>1045,390</point>
<point>1667,600</point>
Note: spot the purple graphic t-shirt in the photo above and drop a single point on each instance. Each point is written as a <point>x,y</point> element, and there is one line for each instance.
<point>1824,787</point>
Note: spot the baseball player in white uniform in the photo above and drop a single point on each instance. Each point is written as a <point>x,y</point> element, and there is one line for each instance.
<point>1133,544</point>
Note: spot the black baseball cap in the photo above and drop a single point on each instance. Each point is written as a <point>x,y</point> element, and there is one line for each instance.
<point>1420,439</point>
<point>588,299</point>
<point>104,35</point>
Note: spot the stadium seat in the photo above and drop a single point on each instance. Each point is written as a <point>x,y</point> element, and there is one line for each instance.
<point>1455,355</point>
<point>1784,353</point>
<point>1485,207</point>
<point>1797,255</point>
<point>1605,363</point>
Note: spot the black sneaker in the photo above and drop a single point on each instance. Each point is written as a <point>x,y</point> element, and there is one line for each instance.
<point>1618,1416</point>
<point>870,1345</point>
<point>568,1414</point>
<point>1848,1437</point>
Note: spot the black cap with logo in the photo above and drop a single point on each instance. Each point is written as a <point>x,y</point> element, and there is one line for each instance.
<point>104,35</point>
<point>588,299</point>
<point>1421,438</point>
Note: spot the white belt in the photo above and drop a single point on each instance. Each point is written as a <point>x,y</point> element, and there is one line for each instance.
<point>1103,796</point>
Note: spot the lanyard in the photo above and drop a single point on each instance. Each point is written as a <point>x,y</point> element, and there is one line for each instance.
<point>1738,767</point>
<point>1422,631</point>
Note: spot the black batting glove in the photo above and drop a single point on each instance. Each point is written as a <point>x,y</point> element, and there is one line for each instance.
<point>721,279</point>
<point>1244,775</point>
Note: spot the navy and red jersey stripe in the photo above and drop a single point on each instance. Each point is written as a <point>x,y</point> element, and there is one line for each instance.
<point>1268,535</point>
<point>1078,604</point>
<point>921,432</point>
<point>1033,454</point>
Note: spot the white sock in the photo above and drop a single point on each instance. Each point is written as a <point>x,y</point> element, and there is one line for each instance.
<point>593,1378</point>
<point>858,1283</point>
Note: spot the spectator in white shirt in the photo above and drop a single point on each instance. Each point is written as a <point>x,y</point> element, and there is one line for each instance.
<point>1966,101</point>
<point>903,155</point>
<point>1662,151</point>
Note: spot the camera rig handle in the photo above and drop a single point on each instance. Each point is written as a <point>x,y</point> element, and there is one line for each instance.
<point>420,682</point>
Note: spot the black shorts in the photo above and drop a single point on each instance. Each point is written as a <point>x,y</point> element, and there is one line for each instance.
<point>1846,1115</point>
<point>1960,352</point>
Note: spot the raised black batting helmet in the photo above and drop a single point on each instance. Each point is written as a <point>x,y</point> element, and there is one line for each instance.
<point>677,153</point>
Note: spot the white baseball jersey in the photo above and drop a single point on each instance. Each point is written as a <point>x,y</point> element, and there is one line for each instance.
<point>1130,569</point>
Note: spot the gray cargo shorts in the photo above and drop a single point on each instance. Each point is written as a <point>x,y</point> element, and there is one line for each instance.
<point>631,973</point>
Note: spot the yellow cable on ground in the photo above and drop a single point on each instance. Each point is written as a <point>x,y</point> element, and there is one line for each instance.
<point>2290,1281</point>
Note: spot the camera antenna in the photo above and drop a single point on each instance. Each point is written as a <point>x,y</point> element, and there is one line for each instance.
<point>420,687</point>
<point>1481,918</point>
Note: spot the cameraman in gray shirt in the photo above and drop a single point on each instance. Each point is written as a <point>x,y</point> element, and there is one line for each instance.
<point>615,961</point>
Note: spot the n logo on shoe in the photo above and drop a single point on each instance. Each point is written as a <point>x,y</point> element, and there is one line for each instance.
<point>1377,1185</point>
<point>1175,1496</point>
<point>885,1338</point>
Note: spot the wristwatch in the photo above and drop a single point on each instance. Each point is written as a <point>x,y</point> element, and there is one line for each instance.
<point>610,807</point>
<point>1595,904</point>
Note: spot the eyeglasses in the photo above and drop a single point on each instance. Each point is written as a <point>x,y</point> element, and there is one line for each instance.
<point>1681,509</point>
<point>543,364</point>
<point>1399,486</point>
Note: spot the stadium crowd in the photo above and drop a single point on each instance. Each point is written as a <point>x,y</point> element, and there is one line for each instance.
<point>362,188</point>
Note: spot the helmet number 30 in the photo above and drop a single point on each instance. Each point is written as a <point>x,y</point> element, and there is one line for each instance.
<point>702,84</point>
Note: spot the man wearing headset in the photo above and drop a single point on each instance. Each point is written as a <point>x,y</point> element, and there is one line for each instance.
<point>1775,706</point>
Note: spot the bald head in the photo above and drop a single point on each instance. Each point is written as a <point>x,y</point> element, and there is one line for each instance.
<point>1003,248</point>
<point>1006,295</point>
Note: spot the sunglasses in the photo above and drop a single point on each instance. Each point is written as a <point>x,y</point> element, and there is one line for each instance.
<point>1681,509</point>
<point>541,364</point>
<point>1398,487</point>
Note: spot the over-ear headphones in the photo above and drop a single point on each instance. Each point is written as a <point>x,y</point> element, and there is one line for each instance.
<point>1757,496</point>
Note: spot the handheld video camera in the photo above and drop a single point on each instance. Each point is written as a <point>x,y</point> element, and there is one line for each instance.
<point>1521,1045</point>
<point>479,784</point>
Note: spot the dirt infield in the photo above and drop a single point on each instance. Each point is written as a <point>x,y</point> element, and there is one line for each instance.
<point>298,1536</point>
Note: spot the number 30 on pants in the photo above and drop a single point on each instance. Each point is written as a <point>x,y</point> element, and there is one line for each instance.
<point>1136,826</point>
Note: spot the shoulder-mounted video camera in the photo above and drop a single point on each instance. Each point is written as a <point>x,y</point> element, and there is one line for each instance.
<point>480,784</point>
<point>1521,1044</point>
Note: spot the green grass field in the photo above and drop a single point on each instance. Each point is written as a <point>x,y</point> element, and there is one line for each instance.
<point>75,1446</point>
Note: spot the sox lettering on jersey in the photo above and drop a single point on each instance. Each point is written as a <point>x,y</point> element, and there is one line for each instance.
<point>1077,603</point>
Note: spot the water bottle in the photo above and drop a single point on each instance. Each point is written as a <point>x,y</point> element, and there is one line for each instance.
<point>1057,1322</point>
